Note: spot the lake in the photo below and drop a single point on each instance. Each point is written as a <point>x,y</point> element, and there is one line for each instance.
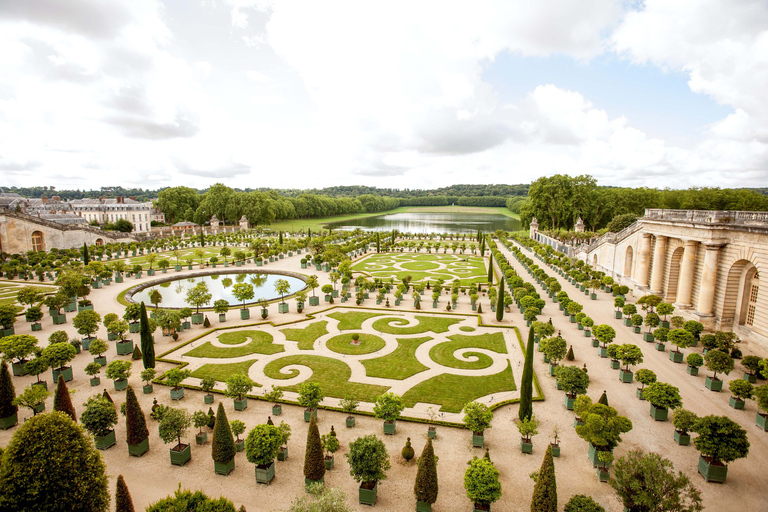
<point>418,222</point>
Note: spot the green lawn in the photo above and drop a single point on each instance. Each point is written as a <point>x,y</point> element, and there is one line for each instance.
<point>368,343</point>
<point>352,320</point>
<point>222,372</point>
<point>331,374</point>
<point>424,267</point>
<point>261,343</point>
<point>443,353</point>
<point>400,364</point>
<point>436,324</point>
<point>306,336</point>
<point>452,392</point>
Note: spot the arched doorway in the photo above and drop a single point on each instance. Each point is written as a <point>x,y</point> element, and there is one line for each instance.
<point>38,241</point>
<point>741,293</point>
<point>673,277</point>
<point>99,242</point>
<point>628,257</point>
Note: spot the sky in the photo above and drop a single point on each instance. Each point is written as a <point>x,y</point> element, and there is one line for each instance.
<point>303,94</point>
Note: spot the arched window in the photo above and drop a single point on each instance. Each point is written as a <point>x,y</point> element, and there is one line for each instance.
<point>37,241</point>
<point>99,242</point>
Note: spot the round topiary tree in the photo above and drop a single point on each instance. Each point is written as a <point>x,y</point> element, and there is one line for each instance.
<point>477,417</point>
<point>388,407</point>
<point>26,480</point>
<point>662,396</point>
<point>481,481</point>
<point>582,503</point>
<point>605,334</point>
<point>720,440</point>
<point>368,461</point>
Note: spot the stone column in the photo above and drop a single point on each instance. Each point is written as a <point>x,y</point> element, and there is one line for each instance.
<point>657,272</point>
<point>643,261</point>
<point>706,303</point>
<point>685,284</point>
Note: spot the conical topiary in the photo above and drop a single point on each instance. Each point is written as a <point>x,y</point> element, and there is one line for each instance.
<point>223,444</point>
<point>105,394</point>
<point>479,308</point>
<point>206,322</point>
<point>545,491</point>
<point>62,400</point>
<point>147,342</point>
<point>86,256</point>
<point>487,454</point>
<point>526,384</point>
<point>603,399</point>
<point>333,432</point>
<point>136,353</point>
<point>135,421</point>
<point>425,488</point>
<point>314,461</point>
<point>211,418</point>
<point>7,393</point>
<point>407,451</point>
<point>269,420</point>
<point>570,356</point>
<point>123,501</point>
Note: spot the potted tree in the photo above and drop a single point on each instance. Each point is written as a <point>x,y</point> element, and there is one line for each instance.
<point>555,444</point>
<point>637,322</point>
<point>147,376</point>
<point>761,395</point>
<point>264,304</point>
<point>243,292</point>
<point>662,397</point>
<point>660,335</point>
<point>481,482</point>
<point>651,321</point>
<point>238,386</point>
<point>223,444</point>
<point>8,410</point>
<point>555,349</point>
<point>137,435</point>
<point>261,447</point>
<point>368,463</point>
<point>207,384</point>
<point>425,488</point>
<point>388,407</point>
<point>752,365</point>
<point>605,458</point>
<point>16,348</point>
<point>602,428</point>
<point>282,286</point>
<point>310,395</point>
<point>184,314</point>
<point>32,397</point>
<point>528,427</point>
<point>314,467</point>
<point>285,435</point>
<point>173,425</point>
<point>330,446</point>
<point>587,322</point>
<point>312,283</point>
<point>349,405</point>
<point>629,355</point>
<point>98,348</point>
<point>237,427</point>
<point>613,355</point>
<point>694,362</point>
<point>681,339</point>
<point>717,361</point>
<point>720,440</point>
<point>605,334</point>
<point>58,355</point>
<point>274,395</point>
<point>221,307</point>
<point>197,296</point>
<point>98,418</point>
<point>664,309</point>
<point>174,378</point>
<point>629,311</point>
<point>92,370</point>
<point>644,377</point>
<point>119,371</point>
<point>695,328</point>
<point>477,418</point>
<point>683,421</point>
<point>574,381</point>
<point>741,390</point>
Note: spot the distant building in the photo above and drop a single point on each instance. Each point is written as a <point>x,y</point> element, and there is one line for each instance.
<point>105,210</point>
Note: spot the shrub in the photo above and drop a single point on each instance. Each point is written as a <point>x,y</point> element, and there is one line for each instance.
<point>426,487</point>
<point>222,445</point>
<point>481,481</point>
<point>262,444</point>
<point>684,420</point>
<point>721,438</point>
<point>741,389</point>
<point>694,360</point>
<point>368,459</point>
<point>663,395</point>
<point>603,425</point>
<point>188,501</point>
<point>314,464</point>
<point>582,503</point>
<point>572,379</point>
<point>477,417</point>
<point>545,490</point>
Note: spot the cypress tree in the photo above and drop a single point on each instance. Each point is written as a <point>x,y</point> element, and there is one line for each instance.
<point>135,421</point>
<point>545,490</point>
<point>123,501</point>
<point>478,235</point>
<point>378,242</point>
<point>482,246</point>
<point>7,393</point>
<point>147,343</point>
<point>500,302</point>
<point>526,382</point>
<point>309,233</point>
<point>394,236</point>
<point>280,237</point>
<point>223,444</point>
<point>62,401</point>
<point>425,488</point>
<point>86,257</point>
<point>202,237</point>
<point>603,399</point>
<point>314,461</point>
<point>490,268</point>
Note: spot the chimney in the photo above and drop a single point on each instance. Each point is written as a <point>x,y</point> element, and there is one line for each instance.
<point>120,200</point>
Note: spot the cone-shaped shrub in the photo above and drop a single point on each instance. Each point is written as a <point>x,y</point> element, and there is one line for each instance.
<point>603,399</point>
<point>62,401</point>
<point>545,490</point>
<point>314,461</point>
<point>106,395</point>
<point>526,384</point>
<point>223,444</point>
<point>135,421</point>
<point>136,353</point>
<point>425,488</point>
<point>147,343</point>
<point>7,393</point>
<point>570,356</point>
<point>123,501</point>
<point>500,302</point>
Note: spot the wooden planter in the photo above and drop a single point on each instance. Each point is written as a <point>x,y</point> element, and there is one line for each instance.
<point>569,402</point>
<point>626,376</point>
<point>615,364</point>
<point>478,439</point>
<point>526,446</point>
<point>350,421</point>
<point>181,454</point>
<point>659,413</point>
<point>95,381</point>
<point>177,393</point>
<point>208,399</point>
<point>432,432</point>
<point>9,421</point>
<point>282,454</point>
<point>736,403</point>
<point>277,410</point>
<point>712,472</point>
<point>329,462</point>
<point>224,469</point>
<point>390,427</point>
<point>676,356</point>
<point>761,420</point>
<point>148,388</point>
<point>65,371</point>
<point>366,495</point>
<point>121,384</point>
<point>682,439</point>
<point>137,450</point>
<point>104,442</point>
<point>310,411</point>
<point>660,347</point>
<point>713,384</point>
<point>241,405</point>
<point>265,474</point>
<point>124,348</point>
<point>592,454</point>
<point>692,370</point>
<point>201,437</point>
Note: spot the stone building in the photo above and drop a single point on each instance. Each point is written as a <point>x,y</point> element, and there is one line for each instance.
<point>707,263</point>
<point>104,210</point>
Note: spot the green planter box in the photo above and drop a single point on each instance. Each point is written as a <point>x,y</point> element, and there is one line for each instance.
<point>197,318</point>
<point>208,399</point>
<point>587,333</point>
<point>177,393</point>
<point>224,469</point>
<point>124,348</point>
<point>615,364</point>
<point>241,405</point>
<point>423,507</point>
<point>222,317</point>
<point>59,319</point>
<point>617,314</point>
<point>626,376</point>
<point>713,384</point>
<point>201,437</point>
<point>282,454</point>
<point>308,412</point>
<point>95,381</point>
<point>692,370</point>
<point>603,474</point>
<point>277,410</point>
<point>37,327</point>
<point>660,347</point>
<point>20,368</point>
<point>752,379</point>
<point>148,388</point>
<point>736,403</point>
<point>636,329</point>
<point>121,384</point>
<point>432,432</point>
<point>595,343</point>
<point>390,428</point>
<point>761,420</point>
<point>648,337</point>
<point>101,360</point>
<point>569,402</point>
<point>659,413</point>
<point>526,447</point>
<point>134,327</point>
<point>710,472</point>
<point>314,301</point>
<point>283,307</point>
<point>350,421</point>
<point>555,449</point>
<point>240,445</point>
<point>676,356</point>
<point>602,352</point>
<point>593,456</point>
<point>181,454</point>
<point>682,439</point>
<point>65,371</point>
<point>137,450</point>
<point>111,336</point>
<point>265,474</point>
<point>477,440</point>
<point>245,314</point>
<point>628,322</point>
<point>368,496</point>
<point>104,442</point>
<point>9,421</point>
<point>329,463</point>
<point>552,369</point>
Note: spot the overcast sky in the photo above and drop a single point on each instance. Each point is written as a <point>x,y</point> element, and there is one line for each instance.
<point>411,94</point>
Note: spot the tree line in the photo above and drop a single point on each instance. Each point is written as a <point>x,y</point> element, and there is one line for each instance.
<point>558,201</point>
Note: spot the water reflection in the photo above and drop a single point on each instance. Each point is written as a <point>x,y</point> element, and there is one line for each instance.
<point>416,222</point>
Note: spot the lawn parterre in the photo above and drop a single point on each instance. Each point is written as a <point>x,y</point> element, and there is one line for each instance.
<point>424,267</point>
<point>426,358</point>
